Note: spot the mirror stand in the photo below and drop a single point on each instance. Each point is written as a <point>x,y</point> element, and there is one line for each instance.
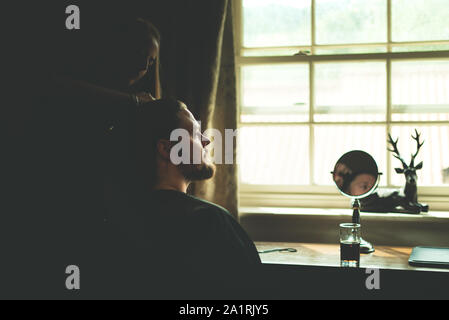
<point>365,246</point>
<point>357,176</point>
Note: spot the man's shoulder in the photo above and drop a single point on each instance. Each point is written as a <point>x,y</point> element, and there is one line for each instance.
<point>203,208</point>
<point>190,204</point>
<point>201,203</point>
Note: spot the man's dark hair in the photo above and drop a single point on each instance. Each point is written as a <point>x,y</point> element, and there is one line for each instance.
<point>153,121</point>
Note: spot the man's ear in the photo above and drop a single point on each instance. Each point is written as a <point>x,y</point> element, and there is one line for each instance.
<point>163,148</point>
<point>399,170</point>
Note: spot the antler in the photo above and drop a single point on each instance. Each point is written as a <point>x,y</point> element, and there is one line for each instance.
<point>418,146</point>
<point>395,150</point>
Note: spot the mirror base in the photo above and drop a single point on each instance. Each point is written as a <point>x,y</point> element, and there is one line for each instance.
<point>366,247</point>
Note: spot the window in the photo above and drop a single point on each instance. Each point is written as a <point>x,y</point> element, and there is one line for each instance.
<point>317,78</point>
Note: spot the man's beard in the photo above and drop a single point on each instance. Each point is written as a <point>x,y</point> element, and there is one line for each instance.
<point>197,172</point>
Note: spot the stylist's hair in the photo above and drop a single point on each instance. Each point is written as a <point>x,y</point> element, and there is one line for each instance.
<point>145,29</point>
<point>152,78</point>
<point>153,121</point>
<point>142,30</point>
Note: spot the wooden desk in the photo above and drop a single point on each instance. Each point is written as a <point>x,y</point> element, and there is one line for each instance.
<point>314,272</point>
<point>328,255</point>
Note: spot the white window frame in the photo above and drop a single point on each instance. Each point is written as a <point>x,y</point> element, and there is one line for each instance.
<point>327,196</point>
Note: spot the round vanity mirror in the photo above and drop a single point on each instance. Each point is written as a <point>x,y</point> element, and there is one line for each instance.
<point>356,174</point>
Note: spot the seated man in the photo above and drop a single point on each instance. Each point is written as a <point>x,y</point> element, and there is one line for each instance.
<point>192,247</point>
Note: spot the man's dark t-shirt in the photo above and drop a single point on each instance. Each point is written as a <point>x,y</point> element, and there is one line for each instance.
<point>187,246</point>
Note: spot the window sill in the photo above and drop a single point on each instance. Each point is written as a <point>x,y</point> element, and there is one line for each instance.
<point>317,225</point>
<point>324,197</point>
<point>430,216</point>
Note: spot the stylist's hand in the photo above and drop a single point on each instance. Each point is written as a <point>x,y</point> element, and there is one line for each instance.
<point>145,97</point>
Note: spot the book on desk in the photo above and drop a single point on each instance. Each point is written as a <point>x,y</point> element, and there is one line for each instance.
<point>435,257</point>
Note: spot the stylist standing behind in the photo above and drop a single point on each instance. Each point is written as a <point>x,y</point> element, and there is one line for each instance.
<point>78,130</point>
<point>124,66</point>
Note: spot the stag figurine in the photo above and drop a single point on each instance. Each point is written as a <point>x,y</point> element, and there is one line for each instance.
<point>404,201</point>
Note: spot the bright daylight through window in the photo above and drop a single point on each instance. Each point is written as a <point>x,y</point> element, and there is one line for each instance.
<point>317,78</point>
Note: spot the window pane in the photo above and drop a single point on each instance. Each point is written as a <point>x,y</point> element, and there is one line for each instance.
<point>420,20</point>
<point>420,90</point>
<point>269,23</point>
<point>434,154</point>
<point>285,117</point>
<point>286,52</point>
<point>351,21</point>
<point>420,48</point>
<point>281,90</point>
<point>351,50</point>
<point>354,91</point>
<point>332,141</point>
<point>274,155</point>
